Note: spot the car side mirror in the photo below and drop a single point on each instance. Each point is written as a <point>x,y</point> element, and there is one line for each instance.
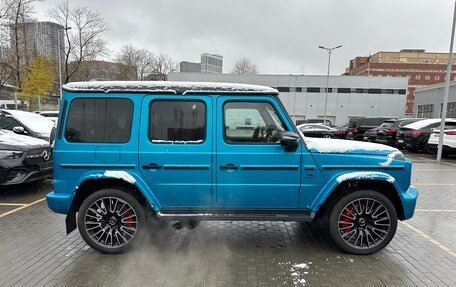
<point>19,130</point>
<point>289,140</point>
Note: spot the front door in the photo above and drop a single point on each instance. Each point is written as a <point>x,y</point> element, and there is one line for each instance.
<point>176,149</point>
<point>253,169</point>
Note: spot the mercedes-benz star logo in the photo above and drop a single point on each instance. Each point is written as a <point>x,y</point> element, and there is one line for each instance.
<point>45,155</point>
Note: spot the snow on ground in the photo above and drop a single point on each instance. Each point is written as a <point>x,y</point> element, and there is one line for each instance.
<point>120,174</point>
<point>322,145</point>
<point>166,86</point>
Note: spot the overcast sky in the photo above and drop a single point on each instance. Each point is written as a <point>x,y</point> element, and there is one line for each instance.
<point>280,36</point>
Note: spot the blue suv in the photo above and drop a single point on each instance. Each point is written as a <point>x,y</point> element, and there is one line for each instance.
<point>126,152</point>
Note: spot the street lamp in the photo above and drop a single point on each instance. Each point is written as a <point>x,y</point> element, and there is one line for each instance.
<point>294,98</point>
<point>447,89</point>
<point>60,60</point>
<point>329,50</point>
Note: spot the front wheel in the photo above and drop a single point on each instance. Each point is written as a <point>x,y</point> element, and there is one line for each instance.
<point>362,222</point>
<point>110,220</point>
<point>327,136</point>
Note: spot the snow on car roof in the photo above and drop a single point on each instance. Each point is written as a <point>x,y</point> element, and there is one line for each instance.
<point>423,123</point>
<point>167,87</point>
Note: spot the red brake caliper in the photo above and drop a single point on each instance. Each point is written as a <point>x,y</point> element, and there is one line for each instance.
<point>128,221</point>
<point>348,218</point>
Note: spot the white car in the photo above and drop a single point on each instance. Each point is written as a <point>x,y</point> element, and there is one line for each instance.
<point>449,141</point>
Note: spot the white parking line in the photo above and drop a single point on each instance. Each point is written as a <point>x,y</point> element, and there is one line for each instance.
<point>430,239</point>
<point>436,210</point>
<point>434,161</point>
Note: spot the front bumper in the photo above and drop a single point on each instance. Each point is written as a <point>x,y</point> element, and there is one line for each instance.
<point>59,203</point>
<point>24,174</point>
<point>408,200</point>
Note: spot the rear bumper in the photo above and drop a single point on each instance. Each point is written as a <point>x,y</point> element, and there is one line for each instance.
<point>59,203</point>
<point>408,200</point>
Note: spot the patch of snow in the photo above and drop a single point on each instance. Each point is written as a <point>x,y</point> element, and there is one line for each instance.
<point>35,122</point>
<point>11,138</point>
<point>167,86</point>
<point>394,155</point>
<point>301,266</point>
<point>321,145</point>
<point>423,123</point>
<point>120,174</point>
<point>177,142</point>
<point>363,175</point>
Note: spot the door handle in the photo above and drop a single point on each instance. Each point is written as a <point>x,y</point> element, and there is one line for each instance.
<point>229,166</point>
<point>152,166</point>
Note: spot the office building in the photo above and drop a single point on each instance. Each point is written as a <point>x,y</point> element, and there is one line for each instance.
<point>429,101</point>
<point>211,64</point>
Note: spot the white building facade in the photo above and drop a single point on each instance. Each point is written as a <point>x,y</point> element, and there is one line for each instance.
<point>304,96</point>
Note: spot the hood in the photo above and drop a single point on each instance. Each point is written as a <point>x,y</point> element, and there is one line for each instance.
<point>323,145</point>
<point>12,141</point>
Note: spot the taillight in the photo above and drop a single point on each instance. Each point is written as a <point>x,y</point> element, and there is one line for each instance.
<point>451,133</point>
<point>414,132</point>
<point>355,130</point>
<point>392,131</point>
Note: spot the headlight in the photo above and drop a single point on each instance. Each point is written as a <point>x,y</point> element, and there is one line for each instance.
<point>10,154</point>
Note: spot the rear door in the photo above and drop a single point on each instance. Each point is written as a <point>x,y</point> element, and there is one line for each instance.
<point>175,151</point>
<point>253,169</point>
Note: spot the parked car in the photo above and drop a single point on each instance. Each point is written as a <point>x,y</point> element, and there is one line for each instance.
<point>358,126</point>
<point>26,123</point>
<point>185,155</point>
<point>388,131</point>
<point>416,135</point>
<point>23,159</point>
<point>317,130</point>
<point>341,131</point>
<point>370,134</point>
<point>449,142</point>
<point>52,115</point>
<point>317,121</point>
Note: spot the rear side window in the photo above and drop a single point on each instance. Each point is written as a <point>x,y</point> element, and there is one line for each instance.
<point>99,120</point>
<point>387,125</point>
<point>177,122</point>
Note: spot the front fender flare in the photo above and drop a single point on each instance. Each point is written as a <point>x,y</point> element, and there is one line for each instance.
<point>338,179</point>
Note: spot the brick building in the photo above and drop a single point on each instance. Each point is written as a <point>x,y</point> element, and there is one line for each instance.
<point>421,67</point>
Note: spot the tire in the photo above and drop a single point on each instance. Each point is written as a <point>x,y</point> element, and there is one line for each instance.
<point>426,147</point>
<point>123,221</point>
<point>327,136</point>
<point>350,231</point>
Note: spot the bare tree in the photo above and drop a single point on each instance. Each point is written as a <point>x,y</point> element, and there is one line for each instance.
<point>244,66</point>
<point>140,59</point>
<point>14,14</point>
<point>162,65</point>
<point>84,30</point>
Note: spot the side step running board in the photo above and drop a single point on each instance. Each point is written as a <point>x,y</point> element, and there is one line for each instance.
<point>300,215</point>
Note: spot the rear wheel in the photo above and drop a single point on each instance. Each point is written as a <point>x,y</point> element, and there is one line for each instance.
<point>110,220</point>
<point>327,136</point>
<point>362,222</point>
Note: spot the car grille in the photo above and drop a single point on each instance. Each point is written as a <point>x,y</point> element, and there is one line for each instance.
<point>38,157</point>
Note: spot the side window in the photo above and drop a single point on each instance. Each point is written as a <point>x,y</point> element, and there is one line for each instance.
<point>99,120</point>
<point>8,123</point>
<point>251,122</point>
<point>178,122</point>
